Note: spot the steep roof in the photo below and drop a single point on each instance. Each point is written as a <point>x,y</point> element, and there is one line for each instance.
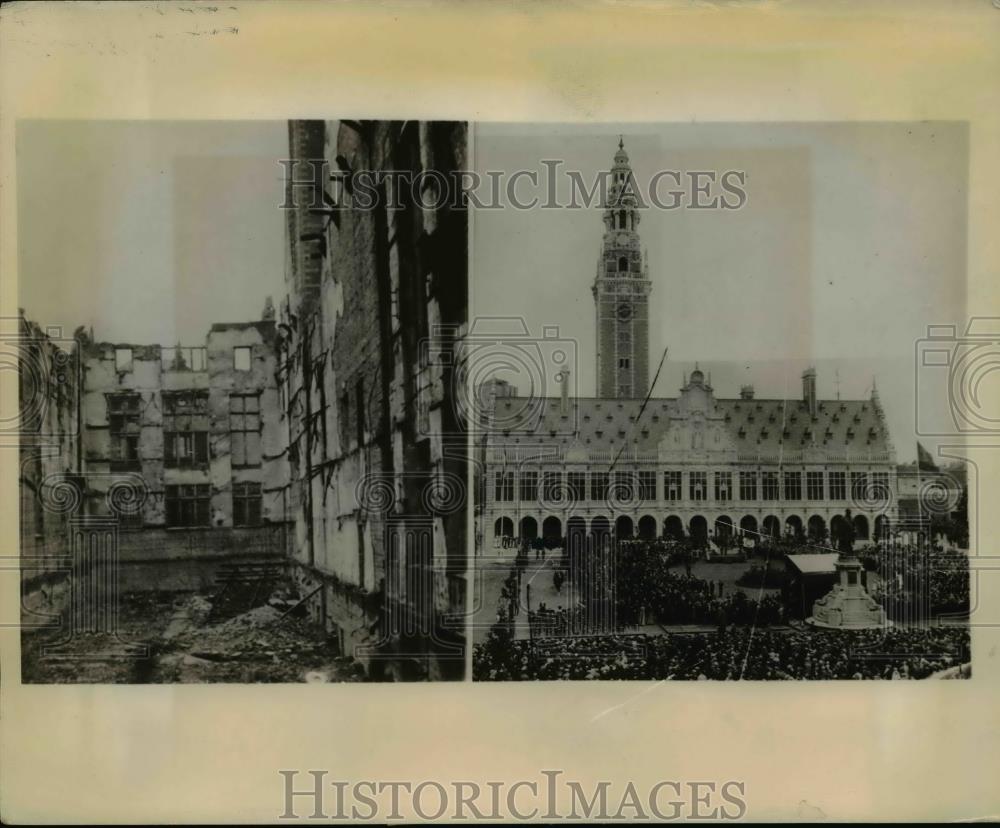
<point>762,426</point>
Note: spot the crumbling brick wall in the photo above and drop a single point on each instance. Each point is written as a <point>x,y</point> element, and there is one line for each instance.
<point>47,437</point>
<point>369,407</point>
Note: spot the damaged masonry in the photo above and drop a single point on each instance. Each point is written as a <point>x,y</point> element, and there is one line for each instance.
<point>284,501</point>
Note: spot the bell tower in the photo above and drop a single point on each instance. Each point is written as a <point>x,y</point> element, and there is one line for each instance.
<point>621,292</point>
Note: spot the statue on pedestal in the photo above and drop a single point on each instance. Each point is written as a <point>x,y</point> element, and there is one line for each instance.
<point>847,605</point>
<point>845,543</point>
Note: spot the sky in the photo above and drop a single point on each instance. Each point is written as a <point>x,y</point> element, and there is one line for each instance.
<point>149,231</point>
<point>851,242</point>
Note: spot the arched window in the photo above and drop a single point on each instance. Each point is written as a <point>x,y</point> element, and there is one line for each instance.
<point>621,219</point>
<point>623,264</point>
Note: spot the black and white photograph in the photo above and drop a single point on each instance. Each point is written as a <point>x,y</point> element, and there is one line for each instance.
<point>509,413</point>
<point>239,457</point>
<point>705,448</point>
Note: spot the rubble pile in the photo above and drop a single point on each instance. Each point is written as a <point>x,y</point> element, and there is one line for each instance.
<point>177,641</point>
<point>263,644</point>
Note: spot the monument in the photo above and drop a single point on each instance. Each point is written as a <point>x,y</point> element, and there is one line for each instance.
<point>848,605</point>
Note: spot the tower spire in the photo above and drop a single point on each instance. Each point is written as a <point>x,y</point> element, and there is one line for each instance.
<point>621,290</point>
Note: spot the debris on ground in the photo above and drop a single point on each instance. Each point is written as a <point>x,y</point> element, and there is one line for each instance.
<point>167,638</point>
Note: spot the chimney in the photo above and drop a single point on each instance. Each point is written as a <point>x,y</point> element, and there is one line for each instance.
<point>809,389</point>
<point>564,388</point>
<point>746,392</point>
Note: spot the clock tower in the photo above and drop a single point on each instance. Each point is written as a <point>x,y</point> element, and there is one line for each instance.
<point>621,292</point>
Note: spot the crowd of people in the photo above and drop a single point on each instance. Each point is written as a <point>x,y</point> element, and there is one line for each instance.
<point>509,604</point>
<point>737,653</point>
<point>648,590</point>
<point>546,622</point>
<point>919,581</point>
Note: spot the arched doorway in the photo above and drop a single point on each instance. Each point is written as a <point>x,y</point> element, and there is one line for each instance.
<point>503,527</point>
<point>882,527</point>
<point>861,527</point>
<point>772,526</point>
<point>724,527</point>
<point>673,528</point>
<point>793,526</point>
<point>748,523</point>
<point>699,529</point>
<point>837,525</point>
<point>552,531</point>
<point>624,528</point>
<point>528,529</point>
<point>817,529</point>
<point>647,527</point>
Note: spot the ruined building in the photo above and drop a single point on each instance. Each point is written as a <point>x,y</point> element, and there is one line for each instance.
<point>324,444</point>
<point>50,452</point>
<point>196,429</point>
<point>176,454</point>
<point>369,338</point>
